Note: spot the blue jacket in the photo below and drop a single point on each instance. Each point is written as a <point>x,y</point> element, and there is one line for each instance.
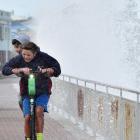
<point>42,82</point>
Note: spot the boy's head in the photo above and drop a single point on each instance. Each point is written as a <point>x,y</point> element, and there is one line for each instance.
<point>29,51</point>
<point>19,41</point>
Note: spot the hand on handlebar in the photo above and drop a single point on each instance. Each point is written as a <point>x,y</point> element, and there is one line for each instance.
<point>25,71</point>
<point>48,71</point>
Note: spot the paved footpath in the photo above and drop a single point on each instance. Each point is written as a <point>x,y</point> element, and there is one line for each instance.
<point>11,119</point>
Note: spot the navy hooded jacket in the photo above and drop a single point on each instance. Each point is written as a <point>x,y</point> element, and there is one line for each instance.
<point>42,82</point>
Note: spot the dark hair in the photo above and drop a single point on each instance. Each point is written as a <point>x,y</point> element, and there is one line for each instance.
<point>31,46</point>
<point>14,41</point>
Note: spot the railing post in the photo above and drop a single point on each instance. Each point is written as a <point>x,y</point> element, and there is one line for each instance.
<point>95,86</point>
<point>121,116</point>
<point>77,81</point>
<point>69,79</point>
<point>137,122</point>
<point>63,77</point>
<point>107,90</point>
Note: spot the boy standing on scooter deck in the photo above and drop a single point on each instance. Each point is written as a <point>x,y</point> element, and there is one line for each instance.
<point>30,58</point>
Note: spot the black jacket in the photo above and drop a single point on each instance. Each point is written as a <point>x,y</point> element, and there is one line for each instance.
<point>42,82</point>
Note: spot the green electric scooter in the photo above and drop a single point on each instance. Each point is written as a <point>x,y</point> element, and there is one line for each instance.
<point>32,92</point>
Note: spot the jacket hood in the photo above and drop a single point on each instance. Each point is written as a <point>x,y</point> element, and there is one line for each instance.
<point>23,39</point>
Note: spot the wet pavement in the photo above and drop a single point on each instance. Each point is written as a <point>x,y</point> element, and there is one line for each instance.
<point>11,118</point>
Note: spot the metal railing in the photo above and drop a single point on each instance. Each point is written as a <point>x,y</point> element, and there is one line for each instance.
<point>96,108</point>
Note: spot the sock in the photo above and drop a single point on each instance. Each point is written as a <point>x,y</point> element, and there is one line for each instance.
<point>39,136</point>
<point>28,139</point>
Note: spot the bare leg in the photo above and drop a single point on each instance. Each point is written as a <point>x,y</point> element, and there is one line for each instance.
<point>39,119</point>
<point>27,126</point>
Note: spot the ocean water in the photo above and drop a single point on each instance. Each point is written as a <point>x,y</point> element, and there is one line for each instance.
<point>94,40</point>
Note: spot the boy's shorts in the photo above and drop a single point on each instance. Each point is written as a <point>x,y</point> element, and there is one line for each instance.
<point>41,100</point>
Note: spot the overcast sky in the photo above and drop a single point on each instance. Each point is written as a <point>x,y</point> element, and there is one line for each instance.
<point>81,34</point>
<point>26,7</point>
